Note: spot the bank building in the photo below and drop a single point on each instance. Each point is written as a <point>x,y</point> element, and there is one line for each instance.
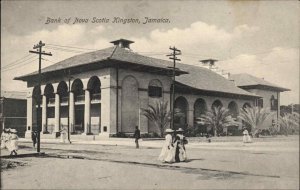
<point>101,93</point>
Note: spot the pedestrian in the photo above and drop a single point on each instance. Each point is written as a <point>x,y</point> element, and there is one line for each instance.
<point>7,139</point>
<point>63,135</point>
<point>168,152</point>
<point>180,141</point>
<point>13,142</point>
<point>34,138</point>
<point>137,136</point>
<point>3,137</point>
<point>208,137</point>
<point>246,136</point>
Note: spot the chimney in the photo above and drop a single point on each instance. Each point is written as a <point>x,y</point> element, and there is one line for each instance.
<point>209,62</point>
<point>122,43</point>
<point>225,75</point>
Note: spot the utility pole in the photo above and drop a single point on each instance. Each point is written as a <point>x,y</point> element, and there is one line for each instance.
<point>69,77</point>
<point>172,56</point>
<point>40,53</point>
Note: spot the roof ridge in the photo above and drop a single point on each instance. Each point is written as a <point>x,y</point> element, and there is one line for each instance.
<point>112,53</point>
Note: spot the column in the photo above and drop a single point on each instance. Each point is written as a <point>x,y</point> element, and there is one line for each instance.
<point>143,120</point>
<point>87,112</point>
<point>190,120</point>
<point>56,114</point>
<point>72,112</point>
<point>29,117</point>
<point>44,114</point>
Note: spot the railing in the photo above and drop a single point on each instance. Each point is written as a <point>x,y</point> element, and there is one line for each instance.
<point>79,98</point>
<point>51,101</point>
<point>96,97</point>
<point>64,99</point>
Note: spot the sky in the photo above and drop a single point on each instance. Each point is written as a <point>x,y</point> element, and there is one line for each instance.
<point>256,37</point>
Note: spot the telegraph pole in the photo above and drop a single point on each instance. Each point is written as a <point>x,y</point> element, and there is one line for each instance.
<point>69,77</point>
<point>40,53</point>
<point>172,56</point>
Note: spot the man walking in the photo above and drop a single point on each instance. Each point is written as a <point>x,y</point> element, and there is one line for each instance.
<point>33,138</point>
<point>137,136</point>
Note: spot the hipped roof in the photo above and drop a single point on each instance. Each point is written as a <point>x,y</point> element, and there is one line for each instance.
<point>204,79</point>
<point>100,56</point>
<point>245,80</point>
<point>190,76</point>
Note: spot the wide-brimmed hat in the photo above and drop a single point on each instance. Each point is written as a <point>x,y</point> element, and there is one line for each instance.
<point>13,130</point>
<point>6,129</point>
<point>169,131</point>
<point>180,130</point>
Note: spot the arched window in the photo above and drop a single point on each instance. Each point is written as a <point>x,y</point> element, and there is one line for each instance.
<point>180,112</point>
<point>94,86</point>
<point>233,109</point>
<point>216,104</point>
<point>155,89</point>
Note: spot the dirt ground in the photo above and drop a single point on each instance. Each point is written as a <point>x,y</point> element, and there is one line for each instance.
<point>260,165</point>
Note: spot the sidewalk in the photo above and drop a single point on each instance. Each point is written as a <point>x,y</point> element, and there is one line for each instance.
<point>285,146</point>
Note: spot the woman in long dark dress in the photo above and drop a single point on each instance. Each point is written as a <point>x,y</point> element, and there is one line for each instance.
<point>179,143</point>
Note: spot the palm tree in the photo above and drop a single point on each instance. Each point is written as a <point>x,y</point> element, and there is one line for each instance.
<point>218,118</point>
<point>159,115</point>
<point>289,122</point>
<point>254,117</point>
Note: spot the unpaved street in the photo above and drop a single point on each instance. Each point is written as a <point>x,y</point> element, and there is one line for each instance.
<point>226,166</point>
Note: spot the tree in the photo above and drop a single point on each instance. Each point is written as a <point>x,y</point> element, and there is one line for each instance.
<point>159,115</point>
<point>255,117</point>
<point>289,123</point>
<point>218,118</point>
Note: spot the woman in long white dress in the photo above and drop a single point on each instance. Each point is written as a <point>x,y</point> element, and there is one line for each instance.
<point>246,136</point>
<point>167,150</point>
<point>3,138</point>
<point>13,138</point>
<point>7,139</point>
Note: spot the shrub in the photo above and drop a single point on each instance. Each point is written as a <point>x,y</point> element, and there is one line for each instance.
<point>120,135</point>
<point>150,135</point>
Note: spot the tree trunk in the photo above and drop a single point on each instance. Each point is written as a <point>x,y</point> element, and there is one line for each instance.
<point>161,131</point>
<point>215,131</point>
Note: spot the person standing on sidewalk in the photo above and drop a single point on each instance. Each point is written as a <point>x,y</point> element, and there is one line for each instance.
<point>13,139</point>
<point>167,153</point>
<point>33,138</point>
<point>137,136</point>
<point>3,138</point>
<point>63,135</point>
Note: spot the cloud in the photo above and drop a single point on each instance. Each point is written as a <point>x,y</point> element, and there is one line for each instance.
<point>197,41</point>
<point>279,66</point>
<point>18,46</point>
<point>198,34</point>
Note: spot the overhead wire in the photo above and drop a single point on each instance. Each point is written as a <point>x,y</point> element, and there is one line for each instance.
<point>17,62</point>
<point>70,47</point>
<point>29,61</point>
<point>64,49</point>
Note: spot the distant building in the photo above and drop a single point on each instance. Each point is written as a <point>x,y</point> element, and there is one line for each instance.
<point>269,93</point>
<point>102,92</point>
<point>13,111</point>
